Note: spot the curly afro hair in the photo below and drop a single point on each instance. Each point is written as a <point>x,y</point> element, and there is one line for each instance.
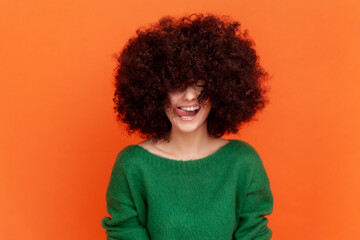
<point>174,54</point>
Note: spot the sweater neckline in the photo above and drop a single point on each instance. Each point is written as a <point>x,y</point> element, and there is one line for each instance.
<point>190,161</point>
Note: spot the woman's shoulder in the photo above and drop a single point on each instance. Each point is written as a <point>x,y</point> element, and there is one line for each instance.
<point>243,146</point>
<point>245,153</point>
<point>128,155</point>
<point>150,146</point>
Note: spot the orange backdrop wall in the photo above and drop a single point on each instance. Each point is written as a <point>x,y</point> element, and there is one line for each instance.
<point>59,136</point>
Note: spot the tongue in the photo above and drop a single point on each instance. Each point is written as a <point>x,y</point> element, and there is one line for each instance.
<point>184,112</point>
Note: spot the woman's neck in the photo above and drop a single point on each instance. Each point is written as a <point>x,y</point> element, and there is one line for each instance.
<point>189,145</point>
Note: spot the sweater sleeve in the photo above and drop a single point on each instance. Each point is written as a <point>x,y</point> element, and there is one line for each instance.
<point>257,204</point>
<point>124,223</point>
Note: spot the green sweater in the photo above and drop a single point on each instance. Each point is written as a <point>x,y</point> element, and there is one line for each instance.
<point>223,196</point>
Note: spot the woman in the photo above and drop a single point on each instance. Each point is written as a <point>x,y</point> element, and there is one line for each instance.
<point>182,84</point>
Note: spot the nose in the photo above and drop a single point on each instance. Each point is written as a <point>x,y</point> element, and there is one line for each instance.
<point>190,93</point>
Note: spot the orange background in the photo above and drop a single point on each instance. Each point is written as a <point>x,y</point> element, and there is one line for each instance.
<point>59,137</point>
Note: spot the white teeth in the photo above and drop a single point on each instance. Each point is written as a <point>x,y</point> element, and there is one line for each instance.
<point>186,117</point>
<point>190,108</point>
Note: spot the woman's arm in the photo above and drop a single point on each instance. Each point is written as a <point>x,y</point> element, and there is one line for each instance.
<point>123,223</point>
<point>258,203</point>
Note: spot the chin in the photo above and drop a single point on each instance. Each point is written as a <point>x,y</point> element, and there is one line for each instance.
<point>189,127</point>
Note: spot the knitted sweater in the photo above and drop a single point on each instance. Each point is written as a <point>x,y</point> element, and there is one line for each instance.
<point>223,196</point>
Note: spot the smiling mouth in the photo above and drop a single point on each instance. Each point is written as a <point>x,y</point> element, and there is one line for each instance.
<point>185,113</point>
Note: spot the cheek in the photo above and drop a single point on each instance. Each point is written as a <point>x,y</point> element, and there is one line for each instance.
<point>207,104</point>
<point>208,109</point>
<point>168,111</point>
<point>174,98</point>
